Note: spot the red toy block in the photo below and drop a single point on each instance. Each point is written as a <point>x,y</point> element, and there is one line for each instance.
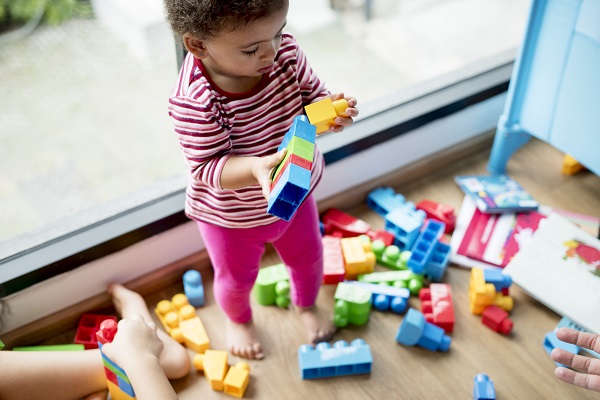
<point>497,320</point>
<point>336,220</point>
<point>386,237</point>
<point>292,159</point>
<point>440,212</point>
<point>89,324</point>
<point>333,260</point>
<point>437,307</point>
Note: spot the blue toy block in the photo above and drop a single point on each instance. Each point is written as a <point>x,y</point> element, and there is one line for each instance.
<point>384,199</point>
<point>414,330</point>
<point>300,128</point>
<point>192,286</point>
<point>429,256</point>
<point>405,223</point>
<point>342,359</point>
<point>483,388</point>
<point>289,192</point>
<point>123,382</point>
<point>551,342</point>
<point>385,297</point>
<point>497,278</point>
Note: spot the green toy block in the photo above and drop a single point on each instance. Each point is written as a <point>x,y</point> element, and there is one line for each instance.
<point>1,345</point>
<point>54,347</point>
<point>301,148</point>
<point>390,256</point>
<point>406,279</point>
<point>272,286</point>
<point>352,306</point>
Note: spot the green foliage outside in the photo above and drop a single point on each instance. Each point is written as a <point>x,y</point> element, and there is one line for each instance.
<point>18,12</point>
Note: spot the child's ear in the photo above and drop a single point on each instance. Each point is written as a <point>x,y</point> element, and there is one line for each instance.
<point>194,46</point>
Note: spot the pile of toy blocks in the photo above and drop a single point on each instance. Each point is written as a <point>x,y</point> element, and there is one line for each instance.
<point>488,297</point>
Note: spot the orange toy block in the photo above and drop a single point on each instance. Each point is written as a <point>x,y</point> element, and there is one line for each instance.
<point>358,257</point>
<point>322,113</point>
<point>214,364</point>
<point>237,379</point>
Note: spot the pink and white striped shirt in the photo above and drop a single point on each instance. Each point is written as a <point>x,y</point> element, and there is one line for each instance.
<point>212,125</point>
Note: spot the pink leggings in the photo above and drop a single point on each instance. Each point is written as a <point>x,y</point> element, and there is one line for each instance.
<point>236,254</point>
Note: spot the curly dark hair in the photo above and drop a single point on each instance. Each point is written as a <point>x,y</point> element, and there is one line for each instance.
<point>206,18</point>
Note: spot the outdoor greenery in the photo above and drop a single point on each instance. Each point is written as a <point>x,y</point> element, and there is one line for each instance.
<point>18,12</point>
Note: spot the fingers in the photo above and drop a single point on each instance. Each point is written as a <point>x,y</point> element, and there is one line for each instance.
<point>591,382</point>
<point>581,339</point>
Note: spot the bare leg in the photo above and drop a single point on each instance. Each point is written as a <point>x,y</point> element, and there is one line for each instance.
<point>318,327</point>
<point>174,359</point>
<point>243,342</point>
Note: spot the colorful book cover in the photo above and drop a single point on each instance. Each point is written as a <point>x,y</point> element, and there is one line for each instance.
<point>560,267</point>
<point>496,194</point>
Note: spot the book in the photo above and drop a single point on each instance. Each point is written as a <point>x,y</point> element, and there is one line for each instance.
<point>560,267</point>
<point>496,194</point>
<point>491,240</point>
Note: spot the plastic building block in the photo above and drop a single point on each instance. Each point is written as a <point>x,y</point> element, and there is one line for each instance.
<point>403,279</point>
<point>570,165</point>
<point>325,361</point>
<point>437,305</point>
<point>358,257</point>
<point>414,330</point>
<point>87,328</point>
<point>387,238</point>
<point>566,322</point>
<point>1,345</point>
<point>390,256</point>
<point>291,179</point>
<point>440,212</point>
<point>405,223</point>
<point>237,379</point>
<point>53,347</point>
<point>551,342</point>
<point>323,113</point>
<point>429,256</point>
<point>384,200</point>
<point>385,297</point>
<point>497,320</point>
<point>352,305</point>
<point>119,386</point>
<point>214,364</point>
<point>482,294</point>
<point>483,388</point>
<point>334,270</point>
<point>338,221</point>
<point>272,286</point>
<point>179,319</point>
<point>193,288</point>
<point>500,280</point>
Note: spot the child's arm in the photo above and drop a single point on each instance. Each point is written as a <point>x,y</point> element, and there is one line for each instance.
<point>136,348</point>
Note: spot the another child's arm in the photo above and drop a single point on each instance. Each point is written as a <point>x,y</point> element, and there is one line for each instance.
<point>136,348</point>
<point>589,377</point>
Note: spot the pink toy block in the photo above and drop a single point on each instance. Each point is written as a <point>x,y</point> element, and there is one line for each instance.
<point>333,260</point>
<point>87,328</point>
<point>497,320</point>
<point>437,305</point>
<point>349,226</point>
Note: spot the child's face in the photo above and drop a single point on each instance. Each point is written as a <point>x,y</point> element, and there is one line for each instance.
<point>248,51</point>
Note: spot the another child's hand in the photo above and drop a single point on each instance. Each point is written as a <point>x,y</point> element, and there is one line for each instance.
<point>585,371</point>
<point>262,169</point>
<point>351,112</point>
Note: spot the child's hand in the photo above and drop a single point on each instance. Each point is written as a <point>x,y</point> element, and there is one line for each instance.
<point>351,111</point>
<point>262,169</point>
<point>585,371</point>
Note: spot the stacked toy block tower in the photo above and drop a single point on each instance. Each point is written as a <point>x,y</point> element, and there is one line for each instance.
<point>119,386</point>
<point>291,179</point>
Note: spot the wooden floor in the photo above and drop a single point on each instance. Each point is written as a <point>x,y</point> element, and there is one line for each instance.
<point>517,364</point>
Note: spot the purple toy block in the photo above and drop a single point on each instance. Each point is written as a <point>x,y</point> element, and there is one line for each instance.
<point>414,330</point>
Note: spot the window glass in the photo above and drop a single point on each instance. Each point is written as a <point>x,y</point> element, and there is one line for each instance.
<point>84,130</point>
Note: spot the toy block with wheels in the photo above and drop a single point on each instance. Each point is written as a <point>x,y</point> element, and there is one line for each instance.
<point>384,200</point>
<point>429,256</point>
<point>325,361</point>
<point>272,286</point>
<point>437,305</point>
<point>358,257</point>
<point>323,113</point>
<point>344,225</point>
<point>390,256</point>
<point>352,305</point>
<point>179,319</point>
<point>402,279</point>
<point>385,297</point>
<point>193,288</point>
<point>483,388</point>
<point>118,383</point>
<point>291,179</point>
<point>334,270</point>
<point>414,330</point>
<point>89,324</point>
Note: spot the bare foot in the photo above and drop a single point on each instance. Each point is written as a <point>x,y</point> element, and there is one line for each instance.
<point>243,342</point>
<point>174,359</point>
<point>319,328</point>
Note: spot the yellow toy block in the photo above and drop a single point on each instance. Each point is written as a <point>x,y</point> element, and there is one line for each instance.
<point>358,257</point>
<point>237,380</point>
<point>570,165</point>
<point>214,364</point>
<point>194,335</point>
<point>322,113</point>
<point>180,321</point>
<point>482,294</point>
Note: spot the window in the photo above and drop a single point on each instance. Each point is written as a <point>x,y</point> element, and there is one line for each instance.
<point>86,143</point>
